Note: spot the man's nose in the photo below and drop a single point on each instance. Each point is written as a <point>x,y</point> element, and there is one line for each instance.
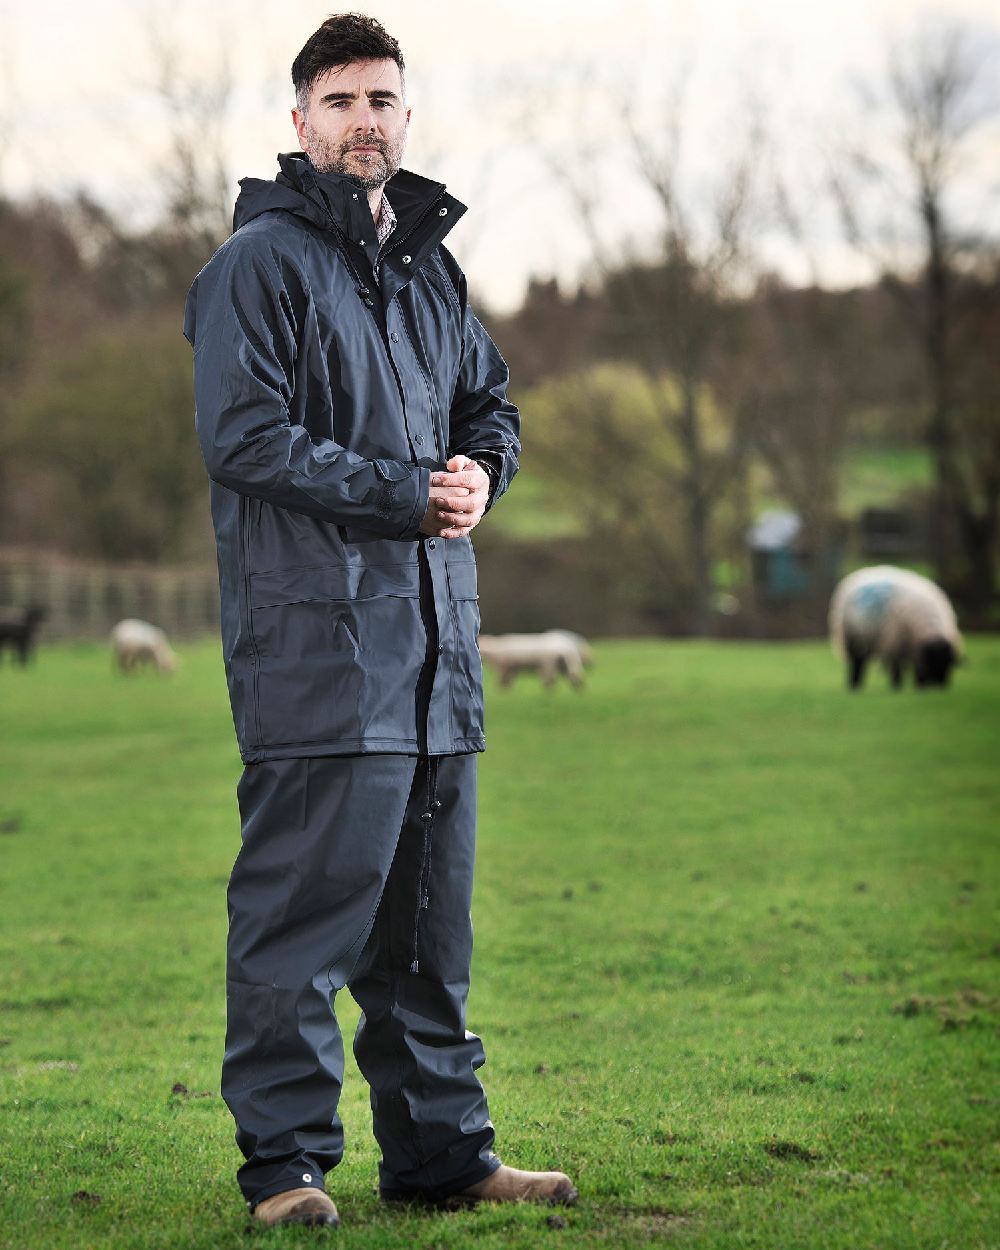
<point>366,118</point>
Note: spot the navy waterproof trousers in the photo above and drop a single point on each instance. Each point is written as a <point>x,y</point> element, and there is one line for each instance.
<point>355,871</point>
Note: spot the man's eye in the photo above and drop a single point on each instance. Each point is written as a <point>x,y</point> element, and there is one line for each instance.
<point>381,104</point>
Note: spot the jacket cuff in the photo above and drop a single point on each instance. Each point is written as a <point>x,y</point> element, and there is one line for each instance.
<point>404,490</point>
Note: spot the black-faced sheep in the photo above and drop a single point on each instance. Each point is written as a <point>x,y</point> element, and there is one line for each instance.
<point>898,617</point>
<point>551,655</point>
<point>19,629</point>
<point>135,643</point>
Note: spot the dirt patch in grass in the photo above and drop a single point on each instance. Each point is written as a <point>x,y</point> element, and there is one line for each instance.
<point>643,1223</point>
<point>778,1149</point>
<point>961,1010</point>
<point>54,1003</point>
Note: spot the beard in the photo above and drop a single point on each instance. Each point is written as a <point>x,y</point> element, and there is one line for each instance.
<point>370,170</point>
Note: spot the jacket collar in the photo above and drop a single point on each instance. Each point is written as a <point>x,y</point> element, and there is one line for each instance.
<point>425,211</point>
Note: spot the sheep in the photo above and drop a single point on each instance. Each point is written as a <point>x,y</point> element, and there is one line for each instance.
<point>898,617</point>
<point>581,644</point>
<point>18,628</point>
<point>134,643</point>
<point>550,654</point>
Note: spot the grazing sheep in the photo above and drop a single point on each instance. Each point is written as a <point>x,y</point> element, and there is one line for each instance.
<point>19,628</point>
<point>898,617</point>
<point>550,654</point>
<point>581,644</point>
<point>135,643</point>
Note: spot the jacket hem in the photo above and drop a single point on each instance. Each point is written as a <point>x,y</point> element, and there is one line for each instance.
<point>355,746</point>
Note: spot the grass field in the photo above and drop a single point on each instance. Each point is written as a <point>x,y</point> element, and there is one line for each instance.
<point>736,967</point>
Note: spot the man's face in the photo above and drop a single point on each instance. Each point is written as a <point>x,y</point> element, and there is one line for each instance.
<point>356,122</point>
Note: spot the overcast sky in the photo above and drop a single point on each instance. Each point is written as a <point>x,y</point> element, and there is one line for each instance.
<point>492,84</point>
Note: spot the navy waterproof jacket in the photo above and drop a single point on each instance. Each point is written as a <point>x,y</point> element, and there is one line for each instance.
<point>331,378</point>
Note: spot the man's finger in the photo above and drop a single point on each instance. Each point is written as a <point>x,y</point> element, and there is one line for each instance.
<point>474,492</point>
<point>447,481</point>
<point>467,477</point>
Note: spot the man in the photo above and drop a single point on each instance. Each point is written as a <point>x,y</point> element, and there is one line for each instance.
<point>354,421</point>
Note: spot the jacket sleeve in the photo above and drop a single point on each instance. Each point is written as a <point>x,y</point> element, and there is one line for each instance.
<point>482,418</point>
<point>241,318</point>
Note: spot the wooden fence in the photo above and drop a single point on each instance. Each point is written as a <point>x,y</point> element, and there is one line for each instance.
<point>84,600</point>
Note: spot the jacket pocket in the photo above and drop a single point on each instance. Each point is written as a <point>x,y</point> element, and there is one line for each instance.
<point>462,579</point>
<point>467,671</point>
<point>315,583</point>
<point>340,649</point>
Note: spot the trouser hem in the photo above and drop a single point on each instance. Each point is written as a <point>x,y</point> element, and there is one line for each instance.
<point>440,1194</point>
<point>279,1187</point>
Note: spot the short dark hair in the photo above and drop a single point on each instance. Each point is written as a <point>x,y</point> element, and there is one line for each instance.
<point>343,38</point>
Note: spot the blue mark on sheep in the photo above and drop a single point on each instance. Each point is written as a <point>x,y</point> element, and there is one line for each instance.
<point>872,600</point>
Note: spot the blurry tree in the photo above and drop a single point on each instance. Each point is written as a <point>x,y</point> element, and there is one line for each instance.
<point>103,440</point>
<point>551,333</point>
<point>667,313</point>
<point>598,436</point>
<point>13,313</point>
<point>793,378</point>
<point>945,284</point>
<point>794,372</point>
<point>41,299</point>
<point>197,186</point>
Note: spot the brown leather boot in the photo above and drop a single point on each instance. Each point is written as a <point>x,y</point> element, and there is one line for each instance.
<point>512,1185</point>
<point>298,1206</point>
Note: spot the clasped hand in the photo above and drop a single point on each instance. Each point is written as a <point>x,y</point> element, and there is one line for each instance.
<point>457,500</point>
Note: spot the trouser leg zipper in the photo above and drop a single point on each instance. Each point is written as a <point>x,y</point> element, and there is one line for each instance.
<point>424,880</point>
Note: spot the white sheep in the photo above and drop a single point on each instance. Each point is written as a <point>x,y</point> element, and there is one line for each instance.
<point>551,654</point>
<point>135,643</point>
<point>581,644</point>
<point>898,617</point>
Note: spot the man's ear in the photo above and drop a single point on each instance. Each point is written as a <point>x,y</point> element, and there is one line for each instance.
<point>299,122</point>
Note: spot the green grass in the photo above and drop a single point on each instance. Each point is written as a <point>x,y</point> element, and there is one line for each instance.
<point>876,477</point>
<point>736,963</point>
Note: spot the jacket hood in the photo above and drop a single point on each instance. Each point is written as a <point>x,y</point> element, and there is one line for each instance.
<point>319,197</point>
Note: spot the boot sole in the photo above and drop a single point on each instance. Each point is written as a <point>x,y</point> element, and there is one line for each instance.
<point>457,1202</point>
